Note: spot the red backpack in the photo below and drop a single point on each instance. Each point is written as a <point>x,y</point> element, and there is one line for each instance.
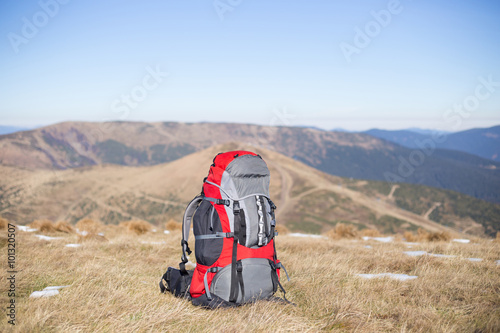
<point>234,228</point>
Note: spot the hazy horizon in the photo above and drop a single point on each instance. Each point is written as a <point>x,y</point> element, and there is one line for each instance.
<point>412,129</point>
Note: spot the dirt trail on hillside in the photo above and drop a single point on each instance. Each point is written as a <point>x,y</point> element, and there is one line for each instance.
<point>380,207</point>
<point>434,206</point>
<point>393,189</point>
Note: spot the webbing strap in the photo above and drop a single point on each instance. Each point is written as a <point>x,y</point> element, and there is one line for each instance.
<point>205,281</point>
<point>225,202</point>
<point>280,265</point>
<point>216,235</point>
<point>273,228</point>
<point>233,295</point>
<point>283,291</point>
<point>239,269</point>
<point>276,279</point>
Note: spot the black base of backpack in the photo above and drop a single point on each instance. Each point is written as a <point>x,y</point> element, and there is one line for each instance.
<point>176,283</point>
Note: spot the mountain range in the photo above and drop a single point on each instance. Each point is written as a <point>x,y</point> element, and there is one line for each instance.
<point>351,155</point>
<point>483,142</point>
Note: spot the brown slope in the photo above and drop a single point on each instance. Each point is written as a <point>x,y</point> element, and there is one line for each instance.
<point>76,144</point>
<point>308,200</point>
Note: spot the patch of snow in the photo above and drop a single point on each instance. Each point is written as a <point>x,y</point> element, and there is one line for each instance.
<point>380,239</point>
<point>47,292</point>
<point>422,253</point>
<point>101,234</point>
<point>166,232</point>
<point>400,277</point>
<point>459,240</point>
<point>475,259</point>
<point>415,253</point>
<point>44,293</point>
<point>498,262</point>
<point>154,230</point>
<point>153,243</point>
<point>47,238</point>
<point>368,246</point>
<point>73,245</point>
<point>442,255</point>
<point>297,234</point>
<point>411,243</point>
<point>83,233</point>
<point>191,263</point>
<point>26,228</point>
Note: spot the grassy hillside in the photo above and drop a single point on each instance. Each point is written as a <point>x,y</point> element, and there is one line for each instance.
<point>453,209</point>
<point>308,200</point>
<point>113,286</point>
<point>77,144</point>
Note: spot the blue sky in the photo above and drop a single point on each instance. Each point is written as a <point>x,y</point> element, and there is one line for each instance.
<point>329,64</point>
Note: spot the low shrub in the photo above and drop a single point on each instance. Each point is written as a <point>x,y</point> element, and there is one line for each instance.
<point>370,233</point>
<point>89,225</point>
<point>3,223</point>
<point>343,231</point>
<point>43,225</point>
<point>64,226</point>
<point>137,227</point>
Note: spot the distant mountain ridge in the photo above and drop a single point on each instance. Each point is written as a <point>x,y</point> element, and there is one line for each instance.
<point>356,155</point>
<point>483,142</point>
<point>11,129</point>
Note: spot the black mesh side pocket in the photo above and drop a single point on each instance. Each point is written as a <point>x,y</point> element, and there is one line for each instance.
<point>206,221</point>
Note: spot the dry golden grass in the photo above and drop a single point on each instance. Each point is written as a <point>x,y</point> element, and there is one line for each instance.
<point>43,226</point>
<point>137,227</point>
<point>342,231</point>
<point>114,287</point>
<point>90,237</point>
<point>427,236</point>
<point>90,226</point>
<point>410,236</point>
<point>370,233</point>
<point>172,225</point>
<point>282,229</point>
<point>439,236</point>
<point>3,223</point>
<point>64,226</point>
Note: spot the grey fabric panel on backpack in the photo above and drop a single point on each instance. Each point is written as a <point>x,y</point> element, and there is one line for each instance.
<point>229,192</point>
<point>257,280</point>
<point>269,219</point>
<point>250,175</point>
<point>252,218</point>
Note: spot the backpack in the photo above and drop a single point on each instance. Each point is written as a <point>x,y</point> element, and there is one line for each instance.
<point>234,228</point>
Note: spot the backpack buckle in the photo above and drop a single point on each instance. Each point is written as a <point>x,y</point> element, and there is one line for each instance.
<point>224,202</point>
<point>236,208</point>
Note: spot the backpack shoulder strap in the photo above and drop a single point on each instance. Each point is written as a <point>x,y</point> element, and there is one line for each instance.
<point>186,226</point>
